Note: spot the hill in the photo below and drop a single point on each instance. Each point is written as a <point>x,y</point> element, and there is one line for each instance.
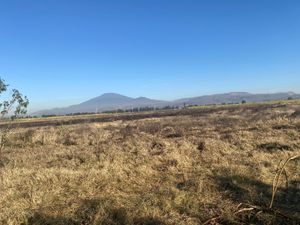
<point>105,102</point>
<point>112,101</point>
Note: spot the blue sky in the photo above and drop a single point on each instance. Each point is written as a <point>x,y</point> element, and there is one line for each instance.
<point>61,52</point>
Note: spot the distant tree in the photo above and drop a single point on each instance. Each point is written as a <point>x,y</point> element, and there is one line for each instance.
<point>13,107</point>
<point>290,98</point>
<point>53,115</point>
<point>244,102</point>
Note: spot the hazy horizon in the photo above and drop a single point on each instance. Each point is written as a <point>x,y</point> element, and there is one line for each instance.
<point>60,53</point>
<point>166,100</point>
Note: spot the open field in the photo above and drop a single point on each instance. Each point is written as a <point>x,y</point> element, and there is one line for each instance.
<point>206,165</point>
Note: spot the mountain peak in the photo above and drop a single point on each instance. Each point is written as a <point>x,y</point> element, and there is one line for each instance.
<point>109,95</point>
<point>238,93</point>
<point>142,98</point>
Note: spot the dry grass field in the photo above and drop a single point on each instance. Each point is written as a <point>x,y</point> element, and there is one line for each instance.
<point>208,165</point>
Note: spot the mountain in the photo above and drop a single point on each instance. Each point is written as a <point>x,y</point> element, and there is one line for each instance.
<point>235,97</point>
<point>112,101</point>
<point>105,102</point>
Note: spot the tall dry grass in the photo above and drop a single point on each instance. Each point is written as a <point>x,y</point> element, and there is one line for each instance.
<point>216,167</point>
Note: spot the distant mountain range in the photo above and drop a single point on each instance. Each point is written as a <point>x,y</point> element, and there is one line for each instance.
<point>112,101</point>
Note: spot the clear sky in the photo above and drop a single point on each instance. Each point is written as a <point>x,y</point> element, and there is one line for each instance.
<point>61,52</point>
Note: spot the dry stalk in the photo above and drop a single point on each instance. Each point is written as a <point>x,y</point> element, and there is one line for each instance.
<point>277,178</point>
<point>259,209</point>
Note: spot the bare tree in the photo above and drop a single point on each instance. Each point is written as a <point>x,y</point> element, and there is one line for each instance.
<point>13,107</point>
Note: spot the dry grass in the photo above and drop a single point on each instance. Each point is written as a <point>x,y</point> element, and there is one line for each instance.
<point>192,168</point>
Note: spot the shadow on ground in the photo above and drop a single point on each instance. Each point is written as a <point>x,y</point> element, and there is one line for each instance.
<point>93,212</point>
<point>241,189</point>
